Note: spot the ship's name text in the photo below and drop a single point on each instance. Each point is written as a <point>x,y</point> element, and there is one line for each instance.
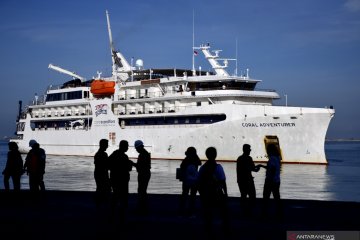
<point>264,125</point>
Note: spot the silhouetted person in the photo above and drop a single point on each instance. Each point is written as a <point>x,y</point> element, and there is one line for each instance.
<point>272,179</point>
<point>189,168</point>
<point>101,173</point>
<point>120,167</point>
<point>35,166</point>
<point>213,190</point>
<point>244,166</point>
<point>143,166</point>
<point>13,168</point>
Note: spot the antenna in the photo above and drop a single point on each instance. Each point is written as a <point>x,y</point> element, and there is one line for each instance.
<point>193,45</point>
<point>236,57</point>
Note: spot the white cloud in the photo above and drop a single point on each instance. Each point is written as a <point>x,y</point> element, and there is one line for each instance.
<point>353,5</point>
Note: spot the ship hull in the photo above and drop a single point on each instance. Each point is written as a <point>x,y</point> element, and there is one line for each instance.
<point>298,132</point>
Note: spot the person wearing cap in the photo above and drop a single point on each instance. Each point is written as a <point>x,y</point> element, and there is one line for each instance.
<point>143,166</point>
<point>35,166</point>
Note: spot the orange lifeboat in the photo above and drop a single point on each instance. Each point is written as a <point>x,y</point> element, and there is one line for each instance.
<point>102,87</point>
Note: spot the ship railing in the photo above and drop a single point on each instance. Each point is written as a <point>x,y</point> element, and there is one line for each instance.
<point>171,108</point>
<point>264,90</point>
<point>61,128</point>
<point>224,87</point>
<point>138,94</point>
<point>55,87</point>
<point>38,100</point>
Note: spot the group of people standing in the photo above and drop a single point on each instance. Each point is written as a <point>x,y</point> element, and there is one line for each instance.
<point>34,166</point>
<point>244,168</point>
<point>112,174</point>
<point>210,181</point>
<point>119,166</point>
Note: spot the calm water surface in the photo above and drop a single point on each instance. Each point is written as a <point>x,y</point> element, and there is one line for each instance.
<point>339,181</point>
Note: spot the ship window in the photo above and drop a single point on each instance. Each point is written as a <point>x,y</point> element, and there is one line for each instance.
<point>64,96</point>
<point>222,85</point>
<point>171,120</point>
<point>150,122</point>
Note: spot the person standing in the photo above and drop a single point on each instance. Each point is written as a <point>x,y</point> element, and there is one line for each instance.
<point>244,166</point>
<point>13,168</point>
<point>189,168</point>
<point>120,167</point>
<point>101,173</point>
<point>213,190</point>
<point>143,166</point>
<point>272,179</point>
<point>35,166</point>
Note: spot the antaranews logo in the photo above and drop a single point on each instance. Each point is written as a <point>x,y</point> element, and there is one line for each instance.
<point>323,235</point>
<point>291,236</point>
<point>310,236</point>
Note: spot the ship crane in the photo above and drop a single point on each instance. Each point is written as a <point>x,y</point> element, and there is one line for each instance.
<point>120,67</point>
<point>67,72</point>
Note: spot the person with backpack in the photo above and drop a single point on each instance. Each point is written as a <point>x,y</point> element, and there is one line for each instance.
<point>35,166</point>
<point>213,190</point>
<point>189,169</point>
<point>13,168</point>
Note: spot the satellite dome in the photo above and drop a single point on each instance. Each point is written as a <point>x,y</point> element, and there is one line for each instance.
<point>139,64</point>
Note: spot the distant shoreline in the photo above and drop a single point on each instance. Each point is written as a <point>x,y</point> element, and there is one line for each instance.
<point>343,140</point>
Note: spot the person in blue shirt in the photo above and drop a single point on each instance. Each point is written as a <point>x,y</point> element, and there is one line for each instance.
<point>213,190</point>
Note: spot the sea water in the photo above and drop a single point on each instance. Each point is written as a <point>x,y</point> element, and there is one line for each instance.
<point>337,181</point>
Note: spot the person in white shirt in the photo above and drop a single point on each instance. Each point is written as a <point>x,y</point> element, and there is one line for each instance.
<point>272,179</point>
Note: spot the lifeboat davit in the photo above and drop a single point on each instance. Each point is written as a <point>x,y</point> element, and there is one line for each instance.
<point>102,87</point>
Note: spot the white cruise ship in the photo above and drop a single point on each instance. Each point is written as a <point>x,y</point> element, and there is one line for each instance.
<point>171,110</point>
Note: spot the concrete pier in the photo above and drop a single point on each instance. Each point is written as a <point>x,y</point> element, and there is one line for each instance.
<point>73,215</point>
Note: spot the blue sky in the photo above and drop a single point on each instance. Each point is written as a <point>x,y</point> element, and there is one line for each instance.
<point>309,49</point>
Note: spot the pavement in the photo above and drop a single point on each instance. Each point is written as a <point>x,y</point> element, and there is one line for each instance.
<point>69,215</point>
